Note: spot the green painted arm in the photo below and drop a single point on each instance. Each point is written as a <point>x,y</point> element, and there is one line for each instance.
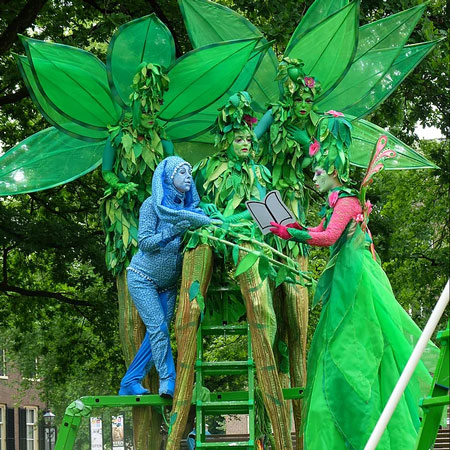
<point>264,123</point>
<point>169,149</point>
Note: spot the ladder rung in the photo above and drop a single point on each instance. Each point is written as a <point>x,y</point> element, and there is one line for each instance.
<point>226,407</point>
<point>234,445</point>
<point>224,367</point>
<point>218,330</point>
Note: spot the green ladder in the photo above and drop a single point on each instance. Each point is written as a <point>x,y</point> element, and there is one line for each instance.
<point>435,404</point>
<point>242,402</point>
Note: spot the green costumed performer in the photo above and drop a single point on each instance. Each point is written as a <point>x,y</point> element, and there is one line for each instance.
<point>225,181</point>
<point>117,112</point>
<point>292,122</point>
<point>364,337</point>
<point>358,68</point>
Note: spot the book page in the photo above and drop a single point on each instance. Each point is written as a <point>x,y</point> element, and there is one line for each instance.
<point>271,209</point>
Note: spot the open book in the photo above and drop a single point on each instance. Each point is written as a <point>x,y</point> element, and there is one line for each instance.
<point>271,209</point>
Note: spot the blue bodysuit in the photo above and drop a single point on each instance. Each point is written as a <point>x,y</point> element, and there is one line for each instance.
<point>154,272</point>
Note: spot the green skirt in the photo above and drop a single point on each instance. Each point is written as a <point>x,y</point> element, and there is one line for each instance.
<point>362,343</point>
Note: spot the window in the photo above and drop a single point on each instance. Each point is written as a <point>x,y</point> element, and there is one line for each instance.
<point>3,373</point>
<point>31,427</point>
<point>2,427</point>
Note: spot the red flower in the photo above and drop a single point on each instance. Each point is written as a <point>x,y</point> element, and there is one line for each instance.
<point>333,198</point>
<point>310,82</point>
<point>368,207</point>
<point>359,218</point>
<point>335,113</point>
<point>314,147</point>
<point>250,120</point>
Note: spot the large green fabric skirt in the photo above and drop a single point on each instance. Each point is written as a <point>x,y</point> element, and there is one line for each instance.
<point>360,347</point>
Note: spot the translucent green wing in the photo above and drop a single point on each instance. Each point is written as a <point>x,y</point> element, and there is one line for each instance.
<point>73,82</point>
<point>364,138</point>
<point>409,57</point>
<point>51,115</point>
<point>208,22</point>
<point>45,160</point>
<point>317,12</point>
<point>142,40</point>
<point>329,47</point>
<point>202,76</point>
<point>200,123</point>
<point>379,45</point>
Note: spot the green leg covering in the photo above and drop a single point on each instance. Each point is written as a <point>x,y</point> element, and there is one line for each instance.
<point>296,309</point>
<point>260,314</point>
<point>197,266</point>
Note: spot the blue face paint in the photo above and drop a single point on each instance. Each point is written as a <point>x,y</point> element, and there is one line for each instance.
<point>182,179</point>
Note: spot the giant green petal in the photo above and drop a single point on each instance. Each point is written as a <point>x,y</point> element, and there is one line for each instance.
<point>329,47</point>
<point>364,138</point>
<point>73,82</point>
<point>201,122</point>
<point>409,57</point>
<point>142,40</point>
<point>54,117</point>
<point>202,76</point>
<point>317,12</point>
<point>208,22</point>
<point>45,160</point>
<point>379,45</point>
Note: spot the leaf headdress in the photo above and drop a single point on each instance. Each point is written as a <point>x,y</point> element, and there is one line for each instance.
<point>236,115</point>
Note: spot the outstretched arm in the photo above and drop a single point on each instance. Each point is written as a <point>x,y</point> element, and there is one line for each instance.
<point>264,123</point>
<point>345,210</point>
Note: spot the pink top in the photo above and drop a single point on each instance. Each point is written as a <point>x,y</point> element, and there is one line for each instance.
<point>346,209</point>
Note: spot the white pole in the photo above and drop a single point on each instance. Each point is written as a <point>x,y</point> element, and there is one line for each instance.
<point>408,370</point>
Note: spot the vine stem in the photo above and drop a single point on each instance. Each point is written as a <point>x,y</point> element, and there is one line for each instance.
<point>255,252</point>
<point>263,244</point>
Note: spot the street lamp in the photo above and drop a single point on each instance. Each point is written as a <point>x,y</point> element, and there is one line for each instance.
<point>49,430</point>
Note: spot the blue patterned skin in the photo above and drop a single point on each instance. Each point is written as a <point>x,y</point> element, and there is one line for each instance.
<point>154,272</point>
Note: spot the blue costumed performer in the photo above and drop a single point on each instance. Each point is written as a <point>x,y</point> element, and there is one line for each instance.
<point>156,268</point>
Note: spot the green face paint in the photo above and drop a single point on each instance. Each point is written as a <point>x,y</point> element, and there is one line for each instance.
<point>147,121</point>
<point>303,105</point>
<point>242,144</point>
<point>323,181</point>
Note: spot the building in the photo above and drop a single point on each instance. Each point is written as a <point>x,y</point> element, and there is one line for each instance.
<point>21,423</point>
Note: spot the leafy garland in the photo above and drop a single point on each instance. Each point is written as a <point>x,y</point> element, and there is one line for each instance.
<point>139,149</point>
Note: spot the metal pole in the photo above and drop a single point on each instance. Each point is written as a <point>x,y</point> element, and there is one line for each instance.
<point>408,370</point>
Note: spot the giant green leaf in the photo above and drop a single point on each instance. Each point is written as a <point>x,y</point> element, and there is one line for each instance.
<point>201,122</point>
<point>329,47</point>
<point>203,75</point>
<point>364,138</point>
<point>379,45</point>
<point>409,57</point>
<point>208,22</point>
<point>145,39</point>
<point>73,82</point>
<point>54,117</point>
<point>45,160</point>
<point>317,12</point>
